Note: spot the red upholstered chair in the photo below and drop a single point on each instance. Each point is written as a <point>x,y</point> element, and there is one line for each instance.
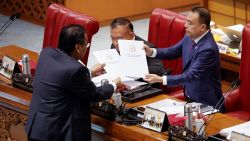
<point>166,28</point>
<point>238,102</point>
<point>59,16</point>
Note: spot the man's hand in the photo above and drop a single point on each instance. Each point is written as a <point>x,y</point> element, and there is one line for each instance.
<point>148,50</point>
<point>97,70</point>
<point>120,86</point>
<point>153,78</point>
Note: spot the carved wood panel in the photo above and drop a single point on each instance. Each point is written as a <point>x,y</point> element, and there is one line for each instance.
<point>9,118</point>
<point>33,10</point>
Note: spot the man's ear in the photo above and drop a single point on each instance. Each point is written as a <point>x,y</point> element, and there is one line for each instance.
<point>132,34</point>
<point>77,48</point>
<point>203,27</point>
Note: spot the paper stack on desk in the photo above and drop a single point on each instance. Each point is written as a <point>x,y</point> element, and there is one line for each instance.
<point>171,106</point>
<point>243,128</point>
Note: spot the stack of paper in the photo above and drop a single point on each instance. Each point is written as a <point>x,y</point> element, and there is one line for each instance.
<point>243,128</point>
<point>169,106</point>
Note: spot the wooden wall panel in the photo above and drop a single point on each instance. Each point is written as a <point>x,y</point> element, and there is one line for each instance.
<point>221,6</point>
<point>230,12</point>
<point>107,10</point>
<point>222,19</point>
<point>240,11</point>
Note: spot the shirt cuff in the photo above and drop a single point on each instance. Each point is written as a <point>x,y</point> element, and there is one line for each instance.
<point>154,53</point>
<point>114,85</point>
<point>164,79</point>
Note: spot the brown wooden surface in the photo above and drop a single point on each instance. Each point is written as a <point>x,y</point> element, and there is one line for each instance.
<point>230,62</point>
<point>234,11</point>
<point>106,11</point>
<point>21,99</point>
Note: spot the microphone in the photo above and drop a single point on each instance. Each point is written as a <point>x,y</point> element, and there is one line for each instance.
<point>13,17</point>
<point>233,85</point>
<point>104,82</point>
<point>236,83</point>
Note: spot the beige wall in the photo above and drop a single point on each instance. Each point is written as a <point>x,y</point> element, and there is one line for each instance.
<point>106,10</point>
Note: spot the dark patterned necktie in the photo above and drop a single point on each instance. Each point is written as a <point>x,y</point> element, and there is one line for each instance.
<point>193,46</point>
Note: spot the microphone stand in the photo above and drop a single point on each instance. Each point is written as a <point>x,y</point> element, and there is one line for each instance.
<point>5,24</point>
<point>8,23</point>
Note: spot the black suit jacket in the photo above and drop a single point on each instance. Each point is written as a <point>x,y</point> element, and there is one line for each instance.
<point>62,92</point>
<point>155,66</point>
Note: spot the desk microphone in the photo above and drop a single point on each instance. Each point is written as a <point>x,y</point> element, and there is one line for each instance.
<point>104,82</point>
<point>7,24</point>
<point>15,16</point>
<point>233,85</point>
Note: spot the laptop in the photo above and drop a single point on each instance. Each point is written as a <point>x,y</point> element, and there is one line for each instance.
<point>233,35</point>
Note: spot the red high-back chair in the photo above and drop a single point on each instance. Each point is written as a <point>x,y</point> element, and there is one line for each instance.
<point>238,102</point>
<point>166,28</point>
<point>59,16</point>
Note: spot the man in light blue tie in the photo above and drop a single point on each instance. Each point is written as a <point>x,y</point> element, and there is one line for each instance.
<point>200,57</point>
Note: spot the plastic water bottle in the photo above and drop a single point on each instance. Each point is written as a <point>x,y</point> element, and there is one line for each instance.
<point>117,98</point>
<point>199,122</point>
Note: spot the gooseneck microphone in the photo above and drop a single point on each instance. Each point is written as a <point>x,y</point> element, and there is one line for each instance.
<point>13,17</point>
<point>221,102</point>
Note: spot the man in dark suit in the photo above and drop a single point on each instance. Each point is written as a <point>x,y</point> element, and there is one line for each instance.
<point>200,57</point>
<point>122,28</point>
<point>63,90</point>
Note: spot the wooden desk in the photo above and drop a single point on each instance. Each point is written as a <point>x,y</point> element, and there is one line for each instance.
<point>14,104</point>
<point>230,62</point>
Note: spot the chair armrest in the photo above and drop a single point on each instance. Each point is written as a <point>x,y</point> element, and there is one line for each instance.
<point>232,101</point>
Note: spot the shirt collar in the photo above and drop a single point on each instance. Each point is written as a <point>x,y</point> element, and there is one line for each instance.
<point>81,63</point>
<point>199,38</point>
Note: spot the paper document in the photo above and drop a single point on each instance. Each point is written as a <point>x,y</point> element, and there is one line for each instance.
<point>237,27</point>
<point>112,60</point>
<point>97,80</point>
<point>243,128</point>
<point>133,58</point>
<point>169,106</point>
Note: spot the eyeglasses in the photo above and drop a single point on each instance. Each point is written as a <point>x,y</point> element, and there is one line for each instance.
<point>88,45</point>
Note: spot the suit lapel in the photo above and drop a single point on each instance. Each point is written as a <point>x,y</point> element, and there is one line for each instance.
<point>190,56</point>
<point>195,50</point>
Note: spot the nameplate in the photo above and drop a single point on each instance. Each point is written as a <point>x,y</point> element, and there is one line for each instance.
<point>155,120</point>
<point>7,67</point>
